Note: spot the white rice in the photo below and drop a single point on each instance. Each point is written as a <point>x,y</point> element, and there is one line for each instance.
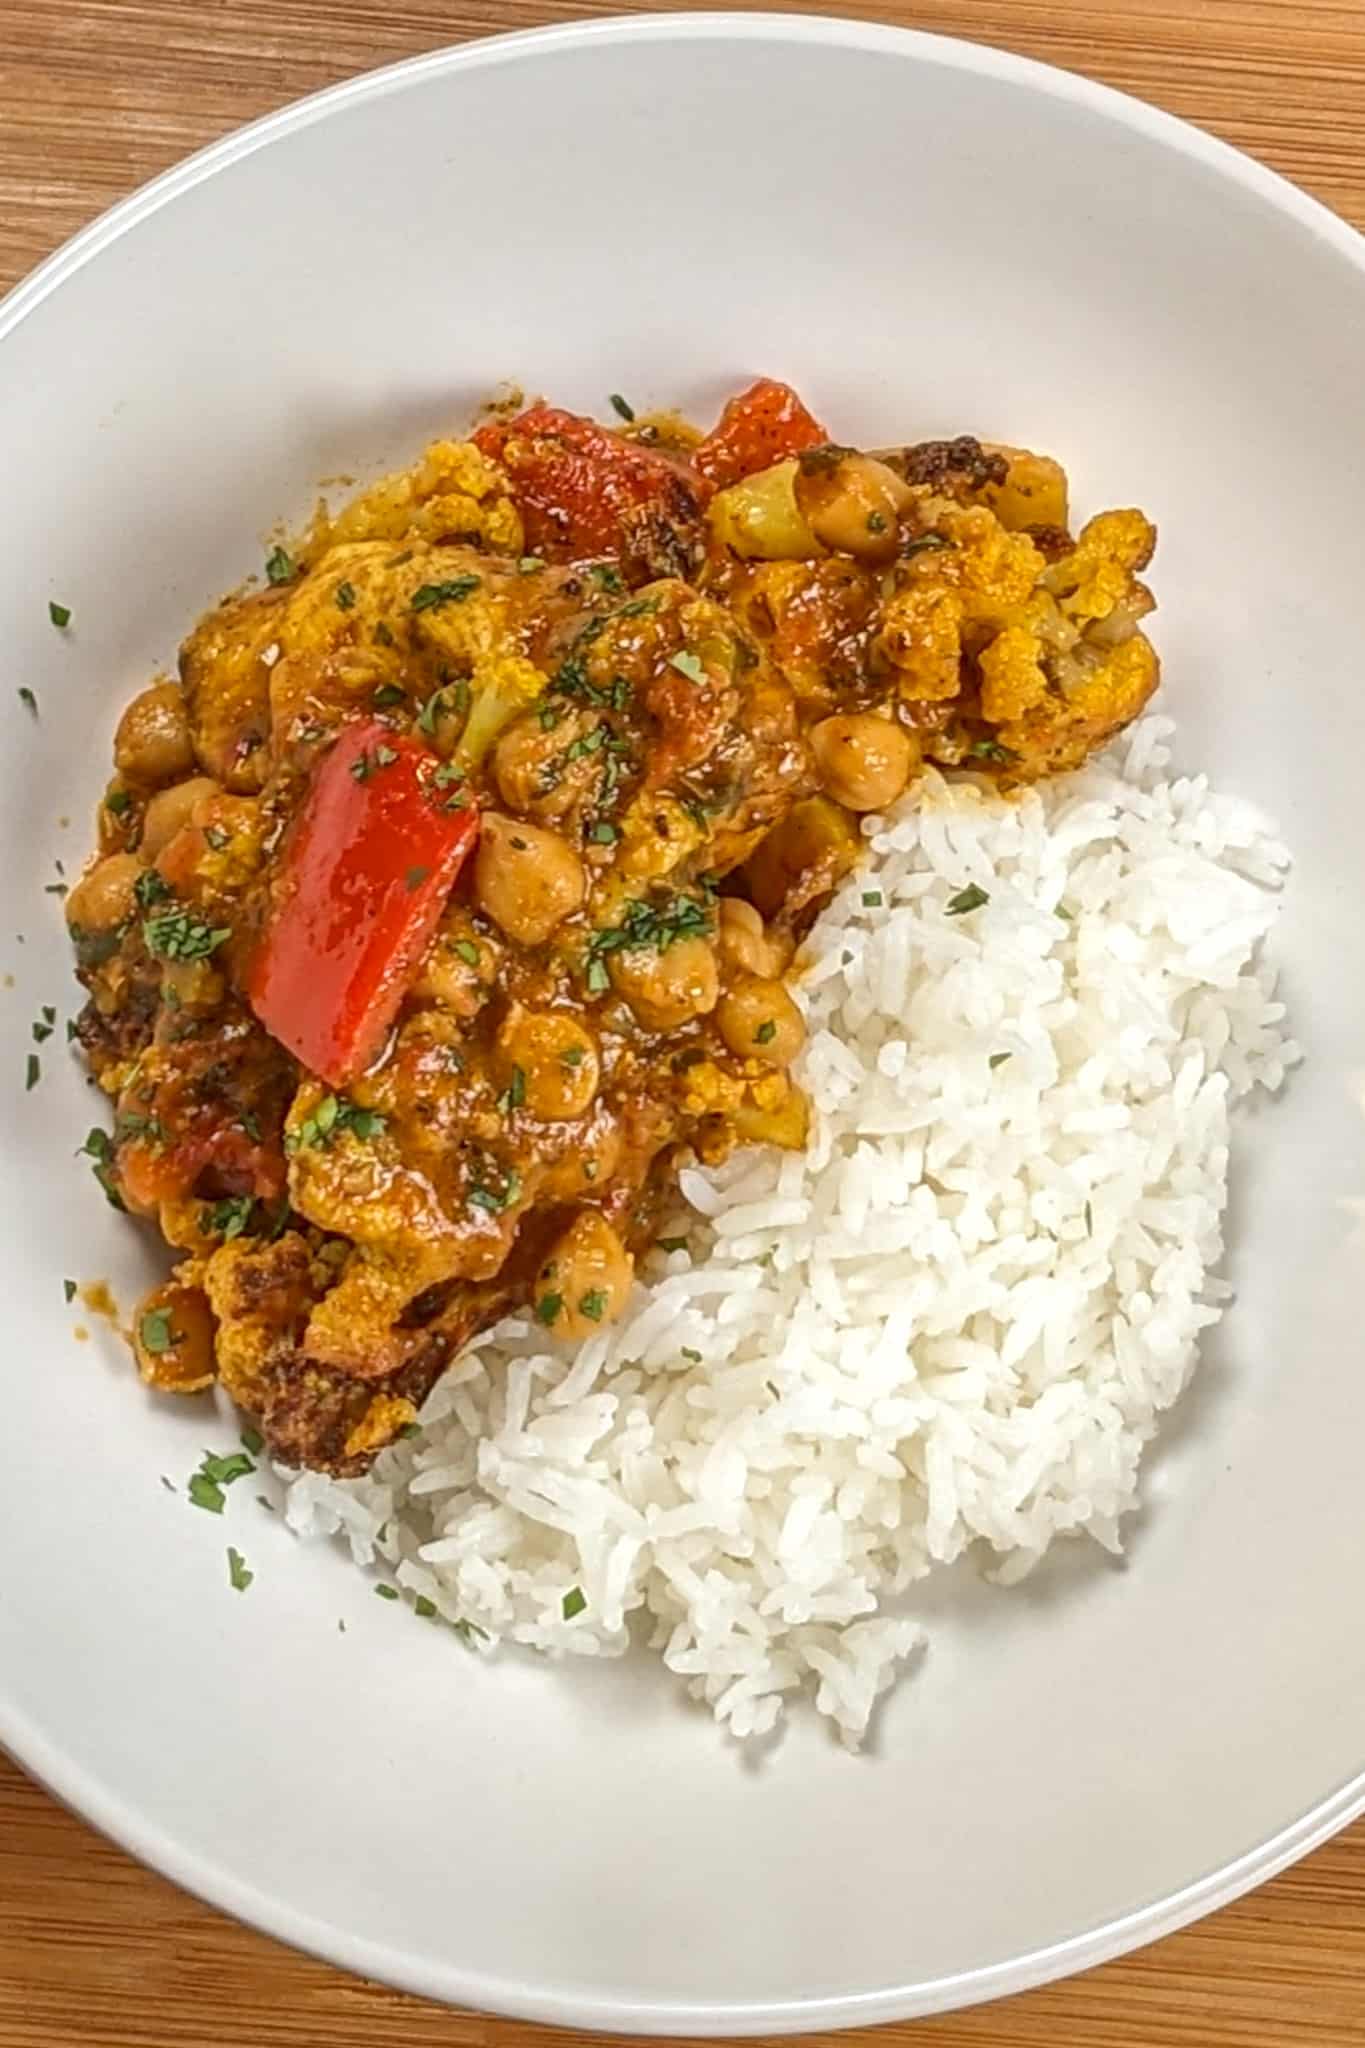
<point>954,1320</point>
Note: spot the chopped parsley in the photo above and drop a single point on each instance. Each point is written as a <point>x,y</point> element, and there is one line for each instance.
<point>41,1031</point>
<point>60,614</point>
<point>33,1072</point>
<point>387,695</point>
<point>367,764</point>
<point>573,1603</point>
<point>253,1441</point>
<point>69,1290</point>
<point>383,1592</point>
<point>345,596</point>
<point>572,1056</point>
<point>622,409</point>
<point>991,750</point>
<point>383,633</point>
<point>603,833</point>
<point>118,802</point>
<point>1089,1221</point>
<point>529,564</point>
<point>997,1059</point>
<point>692,1357</point>
<point>180,935</point>
<point>432,595</point>
<point>598,979</point>
<point>239,1576</point>
<point>467,951</point>
<point>638,608</point>
<point>607,577</point>
<point>766,1032</point>
<point>970,898</point>
<point>548,1308</point>
<point>876,522</point>
<point>414,878</point>
<point>27,698</point>
<point>280,566</point>
<point>873,899</point>
<point>593,1305</point>
<point>644,925</point>
<point>155,1331</point>
<point>333,1115</point>
<point>204,1494</point>
<point>424,1609</point>
<point>924,543</point>
<point>99,1146</point>
<point>215,838</point>
<point>688,664</point>
<point>229,1218</point>
<point>494,1200</point>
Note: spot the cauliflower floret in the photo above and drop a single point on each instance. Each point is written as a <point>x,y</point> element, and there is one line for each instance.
<point>922,639</point>
<point>455,492</point>
<point>1098,573</point>
<point>1012,675</point>
<point>1101,690</point>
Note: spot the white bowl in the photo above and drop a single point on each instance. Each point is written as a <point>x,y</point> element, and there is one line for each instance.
<point>925,237</point>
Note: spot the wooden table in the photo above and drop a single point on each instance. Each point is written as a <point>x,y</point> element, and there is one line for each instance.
<point>96,96</point>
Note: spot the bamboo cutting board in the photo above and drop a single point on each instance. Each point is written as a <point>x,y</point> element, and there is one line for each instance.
<point>95,97</point>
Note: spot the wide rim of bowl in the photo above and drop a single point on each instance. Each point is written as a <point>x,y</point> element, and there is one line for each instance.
<point>62,1772</point>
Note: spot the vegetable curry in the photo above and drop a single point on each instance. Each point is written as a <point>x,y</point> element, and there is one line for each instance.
<point>448,898</point>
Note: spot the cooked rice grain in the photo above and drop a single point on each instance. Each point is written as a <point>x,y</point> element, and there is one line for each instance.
<point>954,1320</point>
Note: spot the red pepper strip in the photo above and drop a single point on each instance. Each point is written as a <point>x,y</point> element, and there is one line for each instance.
<point>764,425</point>
<point>582,489</point>
<point>365,876</point>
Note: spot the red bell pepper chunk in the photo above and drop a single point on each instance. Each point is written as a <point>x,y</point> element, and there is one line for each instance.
<point>365,875</point>
<point>763,425</point>
<point>583,490</point>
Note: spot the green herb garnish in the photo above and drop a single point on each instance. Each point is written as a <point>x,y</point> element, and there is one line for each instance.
<point>367,764</point>
<point>223,1471</point>
<point>33,1072</point>
<point>155,1331</point>
<point>688,664</point>
<point>514,1094</point>
<point>593,1304</point>
<point>150,888</point>
<point>414,878</point>
<point>424,1609</point>
<point>60,614</point>
<point>573,1603</point>
<point>333,1115</point>
<point>180,935</point>
<point>69,1290</point>
<point>280,566</point>
<point>27,698</point>
<point>672,1244</point>
<point>467,951</point>
<point>970,898</point>
<point>253,1442</point>
<point>873,899</point>
<point>432,595</point>
<point>997,1059</point>
<point>387,695</point>
<point>118,802</point>
<point>766,1032</point>
<point>383,1592</point>
<point>548,1307</point>
<point>345,596</point>
<point>603,833</point>
<point>229,1218</point>
<point>622,409</point>
<point>239,1577</point>
<point>204,1494</point>
<point>528,564</point>
<point>692,1357</point>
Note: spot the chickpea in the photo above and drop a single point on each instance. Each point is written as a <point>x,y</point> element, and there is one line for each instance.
<point>533,771</point>
<point>170,809</point>
<point>556,1056</point>
<point>173,1334</point>
<point>666,989</point>
<point>746,947</point>
<point>585,1282</point>
<point>852,503</point>
<point>526,879</point>
<point>103,898</point>
<point>152,743</point>
<point>759,1021</point>
<point>863,762</point>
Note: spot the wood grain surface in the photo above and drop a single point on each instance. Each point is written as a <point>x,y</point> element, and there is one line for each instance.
<point>95,97</point>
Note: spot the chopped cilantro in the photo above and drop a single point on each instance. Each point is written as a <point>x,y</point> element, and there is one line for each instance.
<point>387,695</point>
<point>367,764</point>
<point>467,951</point>
<point>493,1200</point>
<point>414,878</point>
<point>970,898</point>
<point>622,409</point>
<point>222,1471</point>
<point>216,838</point>
<point>603,833</point>
<point>876,522</point>
<point>333,1115</point>
<point>924,543</point>
<point>204,1494</point>
<point>69,1290</point>
<point>572,1056</point>
<point>692,1357</point>
<point>383,1592</point>
<point>239,1577</point>
<point>548,1308</point>
<point>514,1094</point>
<point>573,1603</point>
<point>688,664</point>
<point>280,566</point>
<point>599,981</point>
<point>345,596</point>
<point>410,1429</point>
<point>41,1032</point>
<point>150,888</point>
<point>766,1032</point>
<point>118,802</point>
<point>26,697</point>
<point>180,935</point>
<point>593,1304</point>
<point>33,1072</point>
<point>383,633</point>
<point>997,1059</point>
<point>991,750</point>
<point>528,564</point>
<point>873,899</point>
<point>432,595</point>
<point>60,614</point>
<point>424,1609</point>
<point>253,1441</point>
<point>607,577</point>
<point>1089,1221</point>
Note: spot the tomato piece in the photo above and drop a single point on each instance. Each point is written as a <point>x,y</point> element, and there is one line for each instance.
<point>364,877</point>
<point>763,425</point>
<point>583,490</point>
